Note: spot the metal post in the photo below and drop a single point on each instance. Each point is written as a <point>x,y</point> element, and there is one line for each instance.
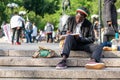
<point>99,27</point>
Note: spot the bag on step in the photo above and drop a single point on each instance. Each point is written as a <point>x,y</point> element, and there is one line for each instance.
<point>44,52</point>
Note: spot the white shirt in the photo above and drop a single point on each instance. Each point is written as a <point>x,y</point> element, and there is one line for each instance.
<point>16,21</point>
<point>78,29</point>
<point>78,26</point>
<point>48,25</point>
<point>34,33</point>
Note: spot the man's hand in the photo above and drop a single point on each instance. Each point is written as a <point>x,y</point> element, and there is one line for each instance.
<point>68,32</point>
<point>18,28</point>
<point>109,23</point>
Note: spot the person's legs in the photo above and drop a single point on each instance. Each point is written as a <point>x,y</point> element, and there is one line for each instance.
<point>18,35</point>
<point>70,43</point>
<point>13,35</point>
<point>96,51</point>
<point>27,37</point>
<point>51,37</point>
<point>47,36</point>
<point>30,38</point>
<point>34,39</point>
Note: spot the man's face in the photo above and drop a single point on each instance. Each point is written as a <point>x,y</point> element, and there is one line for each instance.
<point>79,17</point>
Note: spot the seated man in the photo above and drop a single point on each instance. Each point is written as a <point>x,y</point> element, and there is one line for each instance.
<point>84,41</point>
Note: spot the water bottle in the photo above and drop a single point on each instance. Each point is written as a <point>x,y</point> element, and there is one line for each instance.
<point>117,36</point>
<point>114,45</point>
<point>115,42</point>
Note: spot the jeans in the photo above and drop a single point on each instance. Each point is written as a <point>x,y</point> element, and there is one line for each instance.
<point>28,36</point>
<point>72,44</point>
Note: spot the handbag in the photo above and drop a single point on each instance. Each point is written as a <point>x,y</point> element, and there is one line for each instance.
<point>109,31</point>
<point>44,52</point>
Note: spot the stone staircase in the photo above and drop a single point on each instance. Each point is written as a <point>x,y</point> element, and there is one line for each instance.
<point>19,65</point>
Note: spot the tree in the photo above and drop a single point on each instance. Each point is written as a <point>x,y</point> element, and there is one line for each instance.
<point>2,11</point>
<point>40,7</point>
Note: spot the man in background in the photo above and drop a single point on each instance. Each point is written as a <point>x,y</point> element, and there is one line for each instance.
<point>49,28</point>
<point>109,17</point>
<point>16,23</point>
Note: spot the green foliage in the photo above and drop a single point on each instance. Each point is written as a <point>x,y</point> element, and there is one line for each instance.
<point>2,13</point>
<point>41,7</point>
<point>50,18</point>
<point>43,11</point>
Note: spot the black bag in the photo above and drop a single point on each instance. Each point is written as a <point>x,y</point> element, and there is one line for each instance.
<point>109,31</point>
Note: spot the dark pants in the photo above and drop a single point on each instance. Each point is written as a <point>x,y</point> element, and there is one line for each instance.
<point>108,38</point>
<point>18,34</point>
<point>72,44</point>
<point>49,37</point>
<point>34,39</point>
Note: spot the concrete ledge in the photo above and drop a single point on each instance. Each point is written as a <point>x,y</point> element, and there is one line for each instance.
<point>55,79</point>
<point>29,49</point>
<point>29,53</point>
<point>42,79</point>
<point>79,54</point>
<point>51,72</point>
<point>4,52</point>
<point>28,61</point>
<point>21,53</point>
<point>107,54</point>
<point>112,54</point>
<point>16,63</point>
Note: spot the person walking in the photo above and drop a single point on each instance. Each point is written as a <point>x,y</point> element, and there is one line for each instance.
<point>34,33</point>
<point>16,23</point>
<point>28,31</point>
<point>83,40</point>
<point>49,28</point>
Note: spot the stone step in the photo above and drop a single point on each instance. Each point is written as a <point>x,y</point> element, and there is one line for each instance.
<point>29,53</point>
<point>51,72</point>
<point>37,62</point>
<point>46,79</point>
<point>57,79</point>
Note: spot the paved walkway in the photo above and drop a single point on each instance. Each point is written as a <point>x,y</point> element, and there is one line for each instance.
<point>4,45</point>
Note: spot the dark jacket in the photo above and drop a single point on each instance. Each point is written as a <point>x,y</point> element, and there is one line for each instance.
<point>110,13</point>
<point>86,30</point>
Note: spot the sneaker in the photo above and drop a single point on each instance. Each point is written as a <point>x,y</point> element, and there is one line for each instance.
<point>18,43</point>
<point>94,65</point>
<point>61,65</point>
